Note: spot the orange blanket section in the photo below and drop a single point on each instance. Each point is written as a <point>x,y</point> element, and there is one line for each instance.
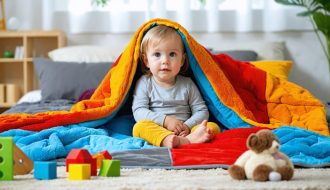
<point>258,98</point>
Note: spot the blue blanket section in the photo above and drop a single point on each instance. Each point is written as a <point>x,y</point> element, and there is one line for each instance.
<point>57,142</point>
<point>304,148</point>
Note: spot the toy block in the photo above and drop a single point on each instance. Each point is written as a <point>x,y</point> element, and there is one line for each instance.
<point>101,156</point>
<point>81,156</point>
<point>22,163</point>
<point>6,158</point>
<point>110,168</point>
<point>79,171</point>
<point>44,170</point>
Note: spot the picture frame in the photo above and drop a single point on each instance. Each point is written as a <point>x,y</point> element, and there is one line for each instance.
<point>2,16</point>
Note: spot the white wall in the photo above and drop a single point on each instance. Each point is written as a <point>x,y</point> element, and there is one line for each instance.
<point>310,68</point>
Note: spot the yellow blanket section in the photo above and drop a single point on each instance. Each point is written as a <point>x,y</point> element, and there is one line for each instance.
<point>290,104</point>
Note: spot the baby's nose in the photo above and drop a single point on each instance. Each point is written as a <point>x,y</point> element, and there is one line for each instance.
<point>165,60</point>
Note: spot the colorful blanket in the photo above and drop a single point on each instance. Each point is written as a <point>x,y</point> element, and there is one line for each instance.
<point>305,148</point>
<point>237,94</point>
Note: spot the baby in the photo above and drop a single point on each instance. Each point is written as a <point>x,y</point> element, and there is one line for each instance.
<point>167,106</point>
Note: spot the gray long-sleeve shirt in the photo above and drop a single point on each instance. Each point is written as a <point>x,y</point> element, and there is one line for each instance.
<point>183,101</point>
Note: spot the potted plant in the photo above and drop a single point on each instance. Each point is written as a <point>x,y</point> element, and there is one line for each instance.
<point>101,3</point>
<point>318,12</point>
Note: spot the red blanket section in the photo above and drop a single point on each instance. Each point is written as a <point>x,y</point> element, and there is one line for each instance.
<point>249,82</point>
<point>224,149</point>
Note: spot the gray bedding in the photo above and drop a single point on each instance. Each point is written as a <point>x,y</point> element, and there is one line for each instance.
<point>42,106</point>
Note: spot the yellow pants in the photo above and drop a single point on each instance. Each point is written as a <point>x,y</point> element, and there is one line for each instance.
<point>155,134</point>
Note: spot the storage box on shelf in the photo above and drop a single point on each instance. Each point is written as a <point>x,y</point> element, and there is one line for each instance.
<point>17,49</point>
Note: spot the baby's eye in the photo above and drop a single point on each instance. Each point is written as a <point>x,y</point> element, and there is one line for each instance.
<point>172,54</point>
<point>157,54</point>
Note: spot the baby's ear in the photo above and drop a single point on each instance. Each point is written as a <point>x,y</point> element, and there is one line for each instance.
<point>145,60</point>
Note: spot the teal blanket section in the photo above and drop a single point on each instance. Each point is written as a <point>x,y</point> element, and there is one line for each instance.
<point>222,113</point>
<point>57,142</point>
<point>304,148</point>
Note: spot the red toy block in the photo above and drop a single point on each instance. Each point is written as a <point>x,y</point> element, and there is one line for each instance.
<point>81,156</point>
<point>104,155</point>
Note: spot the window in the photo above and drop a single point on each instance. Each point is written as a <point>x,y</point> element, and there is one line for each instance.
<point>120,16</point>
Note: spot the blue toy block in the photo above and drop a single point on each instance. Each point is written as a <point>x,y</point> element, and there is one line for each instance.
<point>45,170</point>
<point>6,158</point>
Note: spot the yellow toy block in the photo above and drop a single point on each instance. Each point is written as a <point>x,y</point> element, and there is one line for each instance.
<point>79,171</point>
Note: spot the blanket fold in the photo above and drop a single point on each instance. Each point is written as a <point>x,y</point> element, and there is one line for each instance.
<point>237,93</point>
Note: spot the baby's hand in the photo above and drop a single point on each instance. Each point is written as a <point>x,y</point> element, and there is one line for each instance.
<point>173,124</point>
<point>185,132</point>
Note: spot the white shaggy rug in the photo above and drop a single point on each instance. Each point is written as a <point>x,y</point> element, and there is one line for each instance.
<point>170,179</point>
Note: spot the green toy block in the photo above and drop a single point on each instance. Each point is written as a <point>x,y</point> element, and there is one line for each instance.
<point>6,158</point>
<point>110,168</point>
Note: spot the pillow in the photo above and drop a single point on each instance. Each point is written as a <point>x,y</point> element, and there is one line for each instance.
<point>266,50</point>
<point>67,80</point>
<point>32,96</point>
<point>278,68</point>
<point>82,54</point>
<point>242,55</point>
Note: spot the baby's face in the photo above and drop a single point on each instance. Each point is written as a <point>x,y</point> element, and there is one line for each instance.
<point>165,59</point>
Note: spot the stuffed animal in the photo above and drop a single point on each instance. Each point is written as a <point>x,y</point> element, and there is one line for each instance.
<point>263,161</point>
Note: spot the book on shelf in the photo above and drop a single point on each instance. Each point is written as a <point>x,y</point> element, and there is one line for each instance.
<point>19,52</point>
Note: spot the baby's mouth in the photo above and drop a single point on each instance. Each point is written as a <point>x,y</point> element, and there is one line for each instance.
<point>165,70</point>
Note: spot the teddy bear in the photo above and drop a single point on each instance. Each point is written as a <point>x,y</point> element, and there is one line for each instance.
<point>263,161</point>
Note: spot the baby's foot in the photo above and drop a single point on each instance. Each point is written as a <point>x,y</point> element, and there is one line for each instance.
<point>171,141</point>
<point>201,134</point>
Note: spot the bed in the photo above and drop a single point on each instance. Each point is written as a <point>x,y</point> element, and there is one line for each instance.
<point>77,82</point>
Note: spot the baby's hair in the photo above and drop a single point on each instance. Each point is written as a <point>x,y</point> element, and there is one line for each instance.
<point>155,35</point>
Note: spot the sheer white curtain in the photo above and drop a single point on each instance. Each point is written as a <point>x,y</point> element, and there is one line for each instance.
<point>125,16</point>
